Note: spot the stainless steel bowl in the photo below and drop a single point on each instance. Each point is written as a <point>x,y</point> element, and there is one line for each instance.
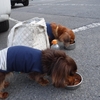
<point>73,87</point>
<point>71,46</point>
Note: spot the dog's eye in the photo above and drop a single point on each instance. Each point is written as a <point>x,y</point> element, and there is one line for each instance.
<point>72,73</point>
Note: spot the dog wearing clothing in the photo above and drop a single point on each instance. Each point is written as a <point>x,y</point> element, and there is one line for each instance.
<point>62,33</point>
<point>36,63</point>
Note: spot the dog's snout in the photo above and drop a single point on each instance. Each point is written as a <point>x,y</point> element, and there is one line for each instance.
<point>67,44</point>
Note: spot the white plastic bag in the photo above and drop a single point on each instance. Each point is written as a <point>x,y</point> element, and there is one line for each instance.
<point>32,33</point>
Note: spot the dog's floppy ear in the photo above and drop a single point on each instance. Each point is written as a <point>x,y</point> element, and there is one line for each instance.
<point>58,73</point>
<point>63,68</point>
<point>65,38</point>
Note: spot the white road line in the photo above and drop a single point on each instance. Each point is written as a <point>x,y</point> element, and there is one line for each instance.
<point>93,25</point>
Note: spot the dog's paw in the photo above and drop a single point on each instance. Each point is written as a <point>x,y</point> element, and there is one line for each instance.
<point>44,82</point>
<point>6,84</point>
<point>3,95</point>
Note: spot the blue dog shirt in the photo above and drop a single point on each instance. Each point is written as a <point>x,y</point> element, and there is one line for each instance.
<point>23,59</point>
<point>49,31</point>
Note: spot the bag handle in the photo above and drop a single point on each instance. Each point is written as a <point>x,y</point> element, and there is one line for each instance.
<point>16,21</point>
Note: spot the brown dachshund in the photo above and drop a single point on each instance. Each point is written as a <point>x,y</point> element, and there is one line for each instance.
<point>62,33</point>
<point>36,63</point>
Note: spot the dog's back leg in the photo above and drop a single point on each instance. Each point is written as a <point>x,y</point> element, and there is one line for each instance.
<point>3,95</point>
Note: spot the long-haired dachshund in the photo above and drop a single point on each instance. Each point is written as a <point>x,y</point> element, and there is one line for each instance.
<point>62,33</point>
<point>36,63</point>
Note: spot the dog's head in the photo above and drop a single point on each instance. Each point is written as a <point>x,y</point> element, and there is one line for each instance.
<point>63,34</point>
<point>59,66</point>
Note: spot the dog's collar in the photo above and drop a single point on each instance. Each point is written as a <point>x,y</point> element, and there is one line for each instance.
<point>56,33</point>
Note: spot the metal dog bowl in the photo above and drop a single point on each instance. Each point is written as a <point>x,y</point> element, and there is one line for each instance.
<point>73,87</point>
<point>71,46</point>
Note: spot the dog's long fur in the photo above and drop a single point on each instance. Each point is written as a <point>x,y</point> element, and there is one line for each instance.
<point>63,34</point>
<point>56,64</point>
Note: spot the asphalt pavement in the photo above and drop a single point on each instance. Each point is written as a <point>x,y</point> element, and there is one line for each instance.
<point>80,15</point>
